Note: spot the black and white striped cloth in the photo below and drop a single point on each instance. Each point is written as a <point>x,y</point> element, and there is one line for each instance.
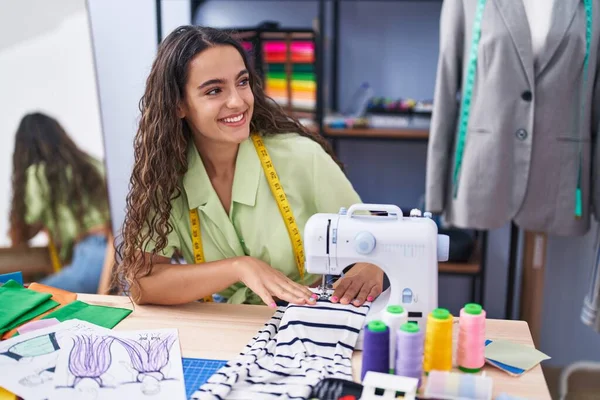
<point>297,348</point>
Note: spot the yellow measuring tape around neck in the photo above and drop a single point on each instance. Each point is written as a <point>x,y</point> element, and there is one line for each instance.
<point>56,264</point>
<point>282,202</point>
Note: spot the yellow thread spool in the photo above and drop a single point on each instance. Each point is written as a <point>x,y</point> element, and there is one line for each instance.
<point>438,341</point>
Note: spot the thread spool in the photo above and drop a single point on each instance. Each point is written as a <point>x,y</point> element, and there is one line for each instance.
<point>409,351</point>
<point>394,316</point>
<point>470,355</point>
<point>376,348</point>
<point>438,341</point>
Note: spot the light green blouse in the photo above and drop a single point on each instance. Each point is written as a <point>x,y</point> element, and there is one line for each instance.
<point>65,230</point>
<point>312,182</point>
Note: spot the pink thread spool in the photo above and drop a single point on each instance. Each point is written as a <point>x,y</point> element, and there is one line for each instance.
<point>470,354</point>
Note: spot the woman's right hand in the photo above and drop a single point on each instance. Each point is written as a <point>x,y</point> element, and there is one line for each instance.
<point>269,283</point>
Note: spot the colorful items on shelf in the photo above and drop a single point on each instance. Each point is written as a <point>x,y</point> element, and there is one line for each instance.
<point>387,105</point>
<point>289,73</point>
<point>338,122</point>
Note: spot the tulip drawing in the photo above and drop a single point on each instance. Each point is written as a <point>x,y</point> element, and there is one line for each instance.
<point>148,359</point>
<point>90,358</point>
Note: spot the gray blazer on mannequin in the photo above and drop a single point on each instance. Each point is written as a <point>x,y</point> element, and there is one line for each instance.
<point>521,153</point>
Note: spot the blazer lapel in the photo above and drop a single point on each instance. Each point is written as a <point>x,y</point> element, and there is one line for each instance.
<point>562,17</point>
<point>514,17</point>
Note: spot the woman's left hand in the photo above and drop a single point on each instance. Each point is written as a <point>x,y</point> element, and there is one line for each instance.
<point>363,282</point>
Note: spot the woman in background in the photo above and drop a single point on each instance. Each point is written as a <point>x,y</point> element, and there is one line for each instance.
<point>60,189</point>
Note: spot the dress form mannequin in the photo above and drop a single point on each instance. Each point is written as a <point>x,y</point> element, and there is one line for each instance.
<point>486,166</point>
<point>539,16</point>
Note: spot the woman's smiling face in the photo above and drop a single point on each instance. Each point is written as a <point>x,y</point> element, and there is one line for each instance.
<point>218,100</point>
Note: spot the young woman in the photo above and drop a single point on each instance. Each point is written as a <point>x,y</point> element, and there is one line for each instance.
<point>206,129</point>
<point>59,189</point>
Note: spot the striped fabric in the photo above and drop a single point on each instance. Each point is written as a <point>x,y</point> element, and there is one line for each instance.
<point>590,314</point>
<point>297,348</point>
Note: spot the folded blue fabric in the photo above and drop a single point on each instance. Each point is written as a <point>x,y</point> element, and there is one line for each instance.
<point>15,276</point>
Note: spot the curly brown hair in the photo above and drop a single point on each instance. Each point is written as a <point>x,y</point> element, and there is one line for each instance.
<point>162,139</point>
<point>71,175</point>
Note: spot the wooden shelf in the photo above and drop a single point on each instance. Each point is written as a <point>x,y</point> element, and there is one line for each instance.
<point>470,268</point>
<point>301,113</point>
<point>398,133</point>
<point>31,261</point>
<point>284,34</point>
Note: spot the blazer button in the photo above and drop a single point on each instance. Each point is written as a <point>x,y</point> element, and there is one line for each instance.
<point>526,95</point>
<point>521,134</point>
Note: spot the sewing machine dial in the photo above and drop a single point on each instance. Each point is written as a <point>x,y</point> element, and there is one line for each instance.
<point>364,242</point>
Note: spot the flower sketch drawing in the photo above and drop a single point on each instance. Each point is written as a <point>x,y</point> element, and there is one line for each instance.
<point>149,358</point>
<point>90,358</point>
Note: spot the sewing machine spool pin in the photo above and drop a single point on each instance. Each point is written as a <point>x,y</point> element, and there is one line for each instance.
<point>407,249</point>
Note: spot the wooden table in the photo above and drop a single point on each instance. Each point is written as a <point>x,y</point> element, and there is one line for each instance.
<point>220,331</point>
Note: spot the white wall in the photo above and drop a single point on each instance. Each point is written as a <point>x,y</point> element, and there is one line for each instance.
<point>125,42</point>
<point>48,68</point>
<point>174,14</point>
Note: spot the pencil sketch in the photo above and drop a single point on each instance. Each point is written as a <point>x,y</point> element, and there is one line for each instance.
<point>28,361</point>
<point>89,358</point>
<point>26,350</point>
<point>149,359</point>
<point>122,364</point>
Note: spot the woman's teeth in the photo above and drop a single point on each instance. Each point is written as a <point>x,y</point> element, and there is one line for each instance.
<point>234,119</point>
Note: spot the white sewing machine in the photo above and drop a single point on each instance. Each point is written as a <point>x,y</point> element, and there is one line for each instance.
<point>407,249</point>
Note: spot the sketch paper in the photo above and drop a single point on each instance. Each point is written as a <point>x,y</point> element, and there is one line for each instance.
<point>28,361</point>
<point>122,364</point>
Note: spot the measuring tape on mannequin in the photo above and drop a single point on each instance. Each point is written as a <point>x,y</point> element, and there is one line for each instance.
<point>468,93</point>
<point>588,39</point>
<point>284,209</point>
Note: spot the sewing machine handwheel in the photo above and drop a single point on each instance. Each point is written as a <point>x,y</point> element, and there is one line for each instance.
<point>364,242</point>
<point>389,208</point>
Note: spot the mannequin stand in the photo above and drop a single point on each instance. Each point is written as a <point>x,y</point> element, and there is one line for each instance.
<point>512,271</point>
